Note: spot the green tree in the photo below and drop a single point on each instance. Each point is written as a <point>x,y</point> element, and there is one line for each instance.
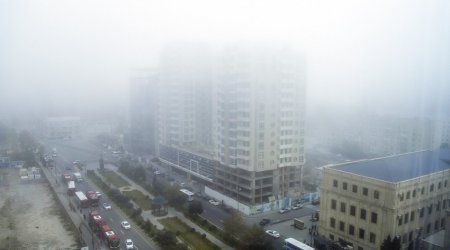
<point>234,225</point>
<point>101,164</point>
<point>165,238</point>
<point>195,207</point>
<point>391,244</point>
<point>254,239</point>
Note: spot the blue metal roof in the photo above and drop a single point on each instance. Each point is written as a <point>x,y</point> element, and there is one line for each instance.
<point>400,167</point>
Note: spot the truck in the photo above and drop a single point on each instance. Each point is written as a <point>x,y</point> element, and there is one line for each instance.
<point>95,221</point>
<point>93,198</point>
<point>82,200</point>
<point>102,229</point>
<point>110,238</point>
<point>299,224</point>
<point>66,178</point>
<point>77,177</point>
<point>71,188</point>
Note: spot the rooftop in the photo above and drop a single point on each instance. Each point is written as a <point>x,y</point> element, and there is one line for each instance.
<point>400,167</point>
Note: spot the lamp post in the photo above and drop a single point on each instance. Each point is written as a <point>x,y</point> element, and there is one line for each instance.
<point>238,189</point>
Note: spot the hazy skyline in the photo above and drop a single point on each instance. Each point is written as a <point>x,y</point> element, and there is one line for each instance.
<point>381,56</point>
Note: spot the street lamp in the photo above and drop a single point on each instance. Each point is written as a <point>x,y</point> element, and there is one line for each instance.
<point>238,189</point>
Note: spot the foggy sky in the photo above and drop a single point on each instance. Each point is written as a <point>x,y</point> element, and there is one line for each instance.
<point>73,56</point>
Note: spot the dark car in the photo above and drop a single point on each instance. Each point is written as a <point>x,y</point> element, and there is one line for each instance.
<point>264,222</point>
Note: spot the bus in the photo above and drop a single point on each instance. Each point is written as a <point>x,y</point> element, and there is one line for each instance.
<point>293,244</point>
<point>188,193</point>
<point>71,188</point>
<point>82,199</point>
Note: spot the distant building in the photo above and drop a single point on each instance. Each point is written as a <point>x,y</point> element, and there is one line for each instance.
<point>62,127</point>
<point>406,195</point>
<point>143,111</point>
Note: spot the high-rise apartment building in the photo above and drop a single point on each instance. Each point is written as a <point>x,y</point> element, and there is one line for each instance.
<point>406,196</point>
<point>235,119</point>
<point>184,115</point>
<point>259,123</point>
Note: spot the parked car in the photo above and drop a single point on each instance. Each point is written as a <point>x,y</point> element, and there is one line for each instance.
<point>129,244</point>
<point>106,206</point>
<point>125,224</point>
<point>282,211</point>
<point>273,233</point>
<point>99,195</point>
<point>215,203</point>
<point>297,206</point>
<point>264,222</point>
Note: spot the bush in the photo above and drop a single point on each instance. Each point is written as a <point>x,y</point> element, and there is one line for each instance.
<point>212,228</point>
<point>192,229</point>
<point>177,233</point>
<point>203,235</point>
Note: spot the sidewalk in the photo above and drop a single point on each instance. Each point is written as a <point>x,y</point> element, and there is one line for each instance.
<point>171,213</point>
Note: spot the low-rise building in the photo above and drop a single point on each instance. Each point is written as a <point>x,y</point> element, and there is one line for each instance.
<point>404,196</point>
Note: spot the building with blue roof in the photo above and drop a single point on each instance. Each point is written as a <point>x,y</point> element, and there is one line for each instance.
<point>363,202</point>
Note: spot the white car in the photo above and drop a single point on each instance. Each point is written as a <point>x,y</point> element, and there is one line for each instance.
<point>215,203</point>
<point>125,224</point>
<point>298,206</point>
<point>98,194</point>
<point>106,206</point>
<point>273,233</point>
<point>282,211</point>
<point>129,244</point>
<point>157,172</point>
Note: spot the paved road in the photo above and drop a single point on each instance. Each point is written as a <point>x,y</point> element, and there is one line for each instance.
<point>67,153</point>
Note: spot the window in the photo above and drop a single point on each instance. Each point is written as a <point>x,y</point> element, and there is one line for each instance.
<point>332,222</point>
<point>445,183</point>
<point>422,210</point>
<point>374,218</point>
<point>443,222</point>
<point>376,194</point>
<point>414,193</point>
<point>410,237</point>
<point>444,204</point>
<point>351,230</point>
<point>372,238</point>
<point>333,204</point>
<point>352,210</point>
<point>362,214</point>
<point>365,191</point>
<point>354,189</point>
<point>335,183</point>
<point>438,206</point>
<point>406,218</point>
<point>344,185</point>
<point>422,191</point>
<point>439,185</point>
<point>436,224</point>
<point>428,228</point>
<point>361,233</point>
<point>411,217</point>
<point>404,238</point>
<point>431,187</point>
<point>331,237</point>
<point>408,195</point>
<point>342,207</point>
<point>341,226</point>
<point>400,220</point>
<point>430,209</point>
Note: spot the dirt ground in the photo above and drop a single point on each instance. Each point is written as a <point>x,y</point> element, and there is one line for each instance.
<point>30,217</point>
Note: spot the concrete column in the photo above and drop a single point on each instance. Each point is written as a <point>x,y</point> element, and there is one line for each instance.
<point>447,230</point>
